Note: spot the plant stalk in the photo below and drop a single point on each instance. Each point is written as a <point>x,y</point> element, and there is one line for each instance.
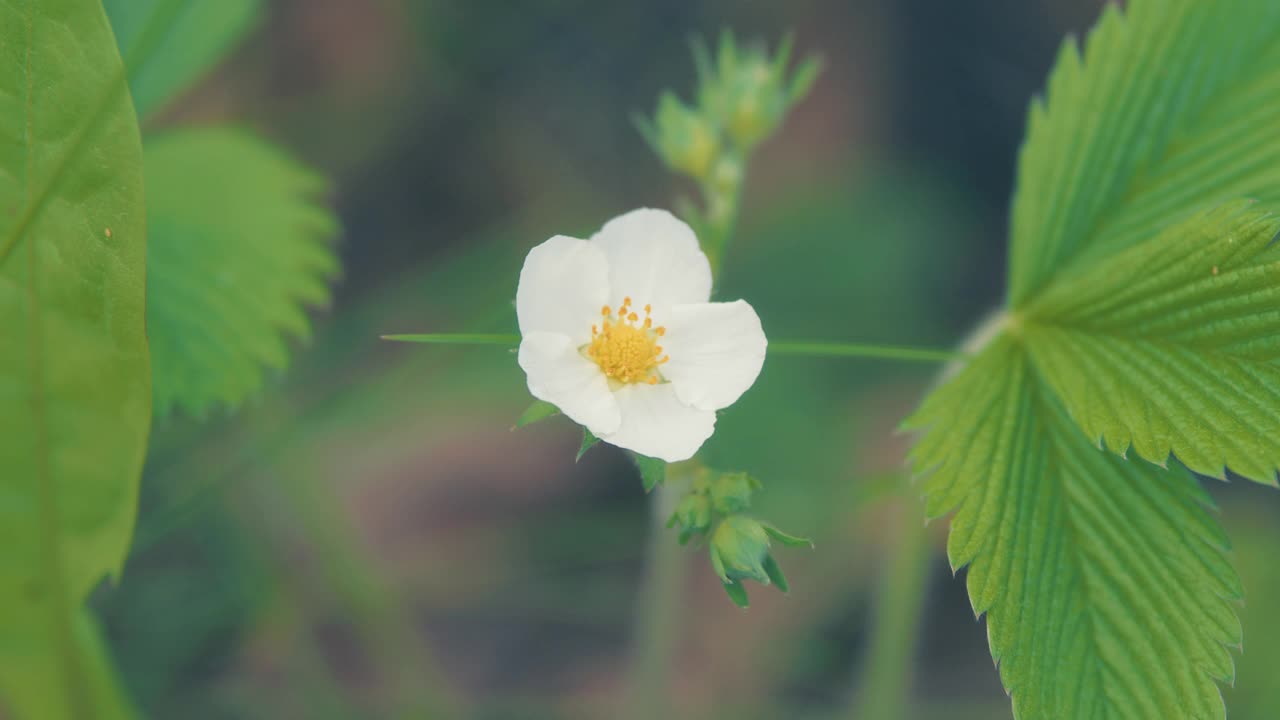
<point>816,348</point>
<point>883,690</point>
<point>658,616</point>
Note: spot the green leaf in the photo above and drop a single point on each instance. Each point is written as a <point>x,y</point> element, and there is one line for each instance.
<point>588,441</point>
<point>170,44</point>
<point>652,470</point>
<point>1171,345</point>
<point>1147,318</point>
<point>1105,583</point>
<point>240,247</point>
<point>1172,108</point>
<point>75,401</point>
<point>539,410</point>
<point>35,689</point>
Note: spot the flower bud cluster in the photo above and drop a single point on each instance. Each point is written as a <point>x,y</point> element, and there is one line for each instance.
<point>743,96</point>
<point>739,545</point>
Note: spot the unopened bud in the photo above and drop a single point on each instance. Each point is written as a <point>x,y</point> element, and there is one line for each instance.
<point>687,141</point>
<point>740,551</point>
<point>748,91</point>
<point>756,102</point>
<point>731,492</point>
<point>739,547</point>
<point>693,514</point>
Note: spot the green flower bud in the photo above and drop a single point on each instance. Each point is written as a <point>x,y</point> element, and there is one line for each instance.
<point>739,547</point>
<point>749,91</point>
<point>687,141</point>
<point>756,102</point>
<point>740,551</point>
<point>693,514</point>
<point>731,492</point>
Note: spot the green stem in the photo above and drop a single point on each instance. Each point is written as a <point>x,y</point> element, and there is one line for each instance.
<point>458,338</point>
<point>884,687</point>
<point>722,193</point>
<point>861,350</point>
<point>815,348</point>
<point>414,685</point>
<point>658,621</point>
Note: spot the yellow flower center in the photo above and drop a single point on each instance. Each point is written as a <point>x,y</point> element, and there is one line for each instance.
<point>625,347</point>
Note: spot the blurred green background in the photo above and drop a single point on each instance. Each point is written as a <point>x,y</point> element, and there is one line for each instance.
<point>368,539</point>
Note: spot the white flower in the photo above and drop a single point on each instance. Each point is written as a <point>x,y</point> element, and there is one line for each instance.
<point>618,332</point>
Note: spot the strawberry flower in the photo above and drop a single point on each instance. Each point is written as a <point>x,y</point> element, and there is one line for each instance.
<point>619,333</point>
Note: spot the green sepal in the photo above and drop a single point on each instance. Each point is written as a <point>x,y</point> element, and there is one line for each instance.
<point>693,513</point>
<point>717,565</point>
<point>539,410</point>
<point>784,538</point>
<point>588,441</point>
<point>737,593</point>
<point>652,470</point>
<point>803,79</point>
<point>648,130</point>
<point>775,573</point>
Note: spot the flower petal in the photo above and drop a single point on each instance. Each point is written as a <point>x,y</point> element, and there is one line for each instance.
<point>654,258</point>
<point>655,423</point>
<point>558,374</point>
<point>563,285</point>
<point>716,350</point>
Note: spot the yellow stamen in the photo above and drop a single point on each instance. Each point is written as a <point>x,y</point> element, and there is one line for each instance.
<point>626,350</point>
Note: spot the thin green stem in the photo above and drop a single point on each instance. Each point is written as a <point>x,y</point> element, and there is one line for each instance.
<point>658,617</point>
<point>722,193</point>
<point>861,350</point>
<point>885,682</point>
<point>457,338</point>
<point>411,683</point>
<point>816,348</point>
